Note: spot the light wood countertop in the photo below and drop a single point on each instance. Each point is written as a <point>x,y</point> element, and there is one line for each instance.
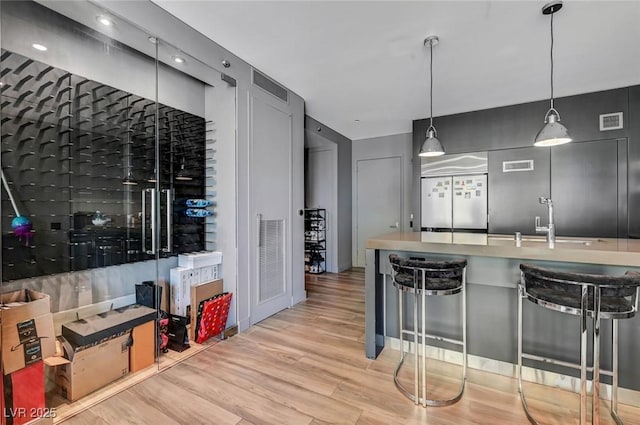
<point>615,252</point>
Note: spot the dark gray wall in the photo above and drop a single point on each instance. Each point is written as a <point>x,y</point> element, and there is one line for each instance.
<point>344,208</point>
<point>634,160</point>
<point>516,126</point>
<point>513,195</point>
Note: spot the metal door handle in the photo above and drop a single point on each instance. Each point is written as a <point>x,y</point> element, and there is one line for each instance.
<point>169,193</point>
<point>395,226</point>
<point>153,221</point>
<point>259,219</point>
<point>144,221</point>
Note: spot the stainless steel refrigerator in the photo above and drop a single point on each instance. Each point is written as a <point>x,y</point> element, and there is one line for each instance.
<point>453,200</point>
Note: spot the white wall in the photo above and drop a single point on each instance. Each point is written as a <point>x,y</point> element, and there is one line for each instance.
<point>383,147</point>
<point>220,107</point>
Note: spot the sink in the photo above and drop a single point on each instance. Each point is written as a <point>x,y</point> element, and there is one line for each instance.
<point>543,240</point>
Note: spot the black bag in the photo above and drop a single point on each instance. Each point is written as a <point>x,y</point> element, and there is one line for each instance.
<point>177,332</point>
<point>148,294</point>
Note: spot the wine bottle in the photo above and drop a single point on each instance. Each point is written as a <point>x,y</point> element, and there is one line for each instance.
<point>193,212</point>
<point>198,203</point>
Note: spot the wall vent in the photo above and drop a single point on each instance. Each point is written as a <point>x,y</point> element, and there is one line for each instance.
<point>520,165</point>
<point>268,85</point>
<point>272,260</point>
<point>611,121</point>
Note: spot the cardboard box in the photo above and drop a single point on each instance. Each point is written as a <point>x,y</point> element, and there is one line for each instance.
<point>94,367</point>
<point>142,352</point>
<point>27,329</point>
<point>200,293</point>
<point>181,280</point>
<point>95,328</point>
<point>195,260</point>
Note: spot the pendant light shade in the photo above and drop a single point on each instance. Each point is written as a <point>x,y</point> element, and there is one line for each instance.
<point>553,133</point>
<point>431,146</point>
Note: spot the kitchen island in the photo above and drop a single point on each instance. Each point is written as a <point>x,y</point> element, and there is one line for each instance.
<point>492,277</point>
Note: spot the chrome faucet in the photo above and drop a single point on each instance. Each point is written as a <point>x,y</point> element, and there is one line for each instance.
<point>550,229</point>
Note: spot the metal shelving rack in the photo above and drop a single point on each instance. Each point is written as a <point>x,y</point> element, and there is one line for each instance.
<point>315,240</point>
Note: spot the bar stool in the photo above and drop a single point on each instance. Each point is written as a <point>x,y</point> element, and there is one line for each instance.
<point>421,278</point>
<point>583,295</point>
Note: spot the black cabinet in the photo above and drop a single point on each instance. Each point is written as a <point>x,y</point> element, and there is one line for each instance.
<point>585,191</point>
<point>587,182</point>
<point>315,240</point>
<point>517,178</point>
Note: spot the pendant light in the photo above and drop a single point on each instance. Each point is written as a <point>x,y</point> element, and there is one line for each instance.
<point>431,146</point>
<point>182,173</point>
<point>553,133</point>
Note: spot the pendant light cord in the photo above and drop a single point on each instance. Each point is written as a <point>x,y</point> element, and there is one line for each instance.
<point>431,86</point>
<point>552,62</point>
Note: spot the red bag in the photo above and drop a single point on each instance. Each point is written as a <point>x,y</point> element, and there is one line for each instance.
<point>24,394</point>
<point>213,318</point>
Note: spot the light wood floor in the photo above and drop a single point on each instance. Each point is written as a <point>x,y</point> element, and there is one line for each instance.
<point>306,365</point>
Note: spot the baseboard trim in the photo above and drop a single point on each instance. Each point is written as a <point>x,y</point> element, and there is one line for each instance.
<point>538,376</point>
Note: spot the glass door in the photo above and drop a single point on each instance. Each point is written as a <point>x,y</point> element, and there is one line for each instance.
<point>80,211</point>
<point>187,107</point>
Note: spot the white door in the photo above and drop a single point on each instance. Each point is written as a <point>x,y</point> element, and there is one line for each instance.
<point>379,200</point>
<point>271,188</point>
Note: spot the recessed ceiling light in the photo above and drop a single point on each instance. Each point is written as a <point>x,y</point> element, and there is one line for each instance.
<point>39,47</point>
<point>178,59</point>
<point>104,21</point>
<point>356,120</point>
<point>153,40</point>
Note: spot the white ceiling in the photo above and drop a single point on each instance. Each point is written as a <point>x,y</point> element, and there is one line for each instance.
<point>365,60</point>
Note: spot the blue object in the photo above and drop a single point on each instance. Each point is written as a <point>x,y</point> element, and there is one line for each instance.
<point>198,203</point>
<point>193,212</point>
<point>21,226</point>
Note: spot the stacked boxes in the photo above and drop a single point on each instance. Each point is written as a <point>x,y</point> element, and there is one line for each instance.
<point>99,349</point>
<point>27,339</point>
<point>193,269</point>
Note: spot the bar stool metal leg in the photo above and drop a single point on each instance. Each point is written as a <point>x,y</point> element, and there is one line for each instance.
<point>595,406</point>
<point>464,327</point>
<point>614,384</point>
<point>416,383</point>
<point>401,321</point>
<point>424,341</point>
<point>523,400</point>
<point>458,396</point>
<point>583,355</point>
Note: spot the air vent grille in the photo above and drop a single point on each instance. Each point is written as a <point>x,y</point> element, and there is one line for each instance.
<point>268,85</point>
<point>272,259</point>
<point>611,121</point>
<point>520,165</point>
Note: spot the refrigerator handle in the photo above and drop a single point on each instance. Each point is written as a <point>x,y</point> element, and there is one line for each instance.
<point>395,226</point>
